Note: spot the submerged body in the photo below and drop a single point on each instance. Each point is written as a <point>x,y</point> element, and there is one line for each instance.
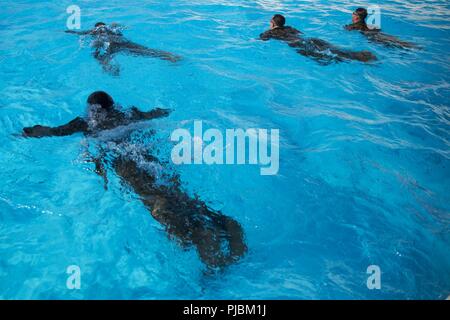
<point>219,239</point>
<point>317,49</point>
<point>109,41</point>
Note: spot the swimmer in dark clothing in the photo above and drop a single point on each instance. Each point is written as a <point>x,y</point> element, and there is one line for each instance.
<point>219,239</point>
<point>109,40</point>
<point>375,35</point>
<point>102,116</point>
<point>317,49</point>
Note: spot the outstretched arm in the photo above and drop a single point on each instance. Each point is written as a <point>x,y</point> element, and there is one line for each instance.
<point>74,126</point>
<point>78,32</point>
<point>138,115</point>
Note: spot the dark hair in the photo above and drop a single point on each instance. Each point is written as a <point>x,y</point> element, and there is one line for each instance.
<point>362,13</point>
<point>98,24</point>
<point>279,20</point>
<point>101,98</point>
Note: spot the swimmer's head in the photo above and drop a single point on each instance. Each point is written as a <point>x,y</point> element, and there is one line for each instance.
<point>99,24</point>
<point>277,21</point>
<point>102,99</point>
<point>359,15</point>
<point>99,28</point>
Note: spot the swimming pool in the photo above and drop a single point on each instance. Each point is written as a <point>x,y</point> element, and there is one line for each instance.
<point>364,153</point>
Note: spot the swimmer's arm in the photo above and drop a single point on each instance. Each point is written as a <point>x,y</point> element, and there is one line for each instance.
<point>81,33</point>
<point>101,171</point>
<point>76,125</point>
<point>295,31</point>
<point>349,27</point>
<point>138,115</point>
<point>265,36</point>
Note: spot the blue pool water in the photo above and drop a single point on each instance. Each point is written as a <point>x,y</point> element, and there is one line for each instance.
<point>364,152</point>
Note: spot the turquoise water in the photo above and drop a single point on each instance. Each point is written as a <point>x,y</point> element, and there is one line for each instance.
<point>364,152</point>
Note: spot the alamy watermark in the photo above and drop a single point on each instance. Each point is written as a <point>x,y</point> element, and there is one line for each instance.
<point>73,21</point>
<point>74,279</point>
<point>237,146</point>
<point>374,17</point>
<point>374,279</point>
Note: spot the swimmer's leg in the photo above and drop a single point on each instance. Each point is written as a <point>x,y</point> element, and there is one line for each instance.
<point>363,56</point>
<point>326,53</point>
<point>220,243</point>
<point>139,50</point>
<point>389,41</point>
<point>219,239</point>
<point>341,55</point>
<point>320,58</point>
<point>315,49</point>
